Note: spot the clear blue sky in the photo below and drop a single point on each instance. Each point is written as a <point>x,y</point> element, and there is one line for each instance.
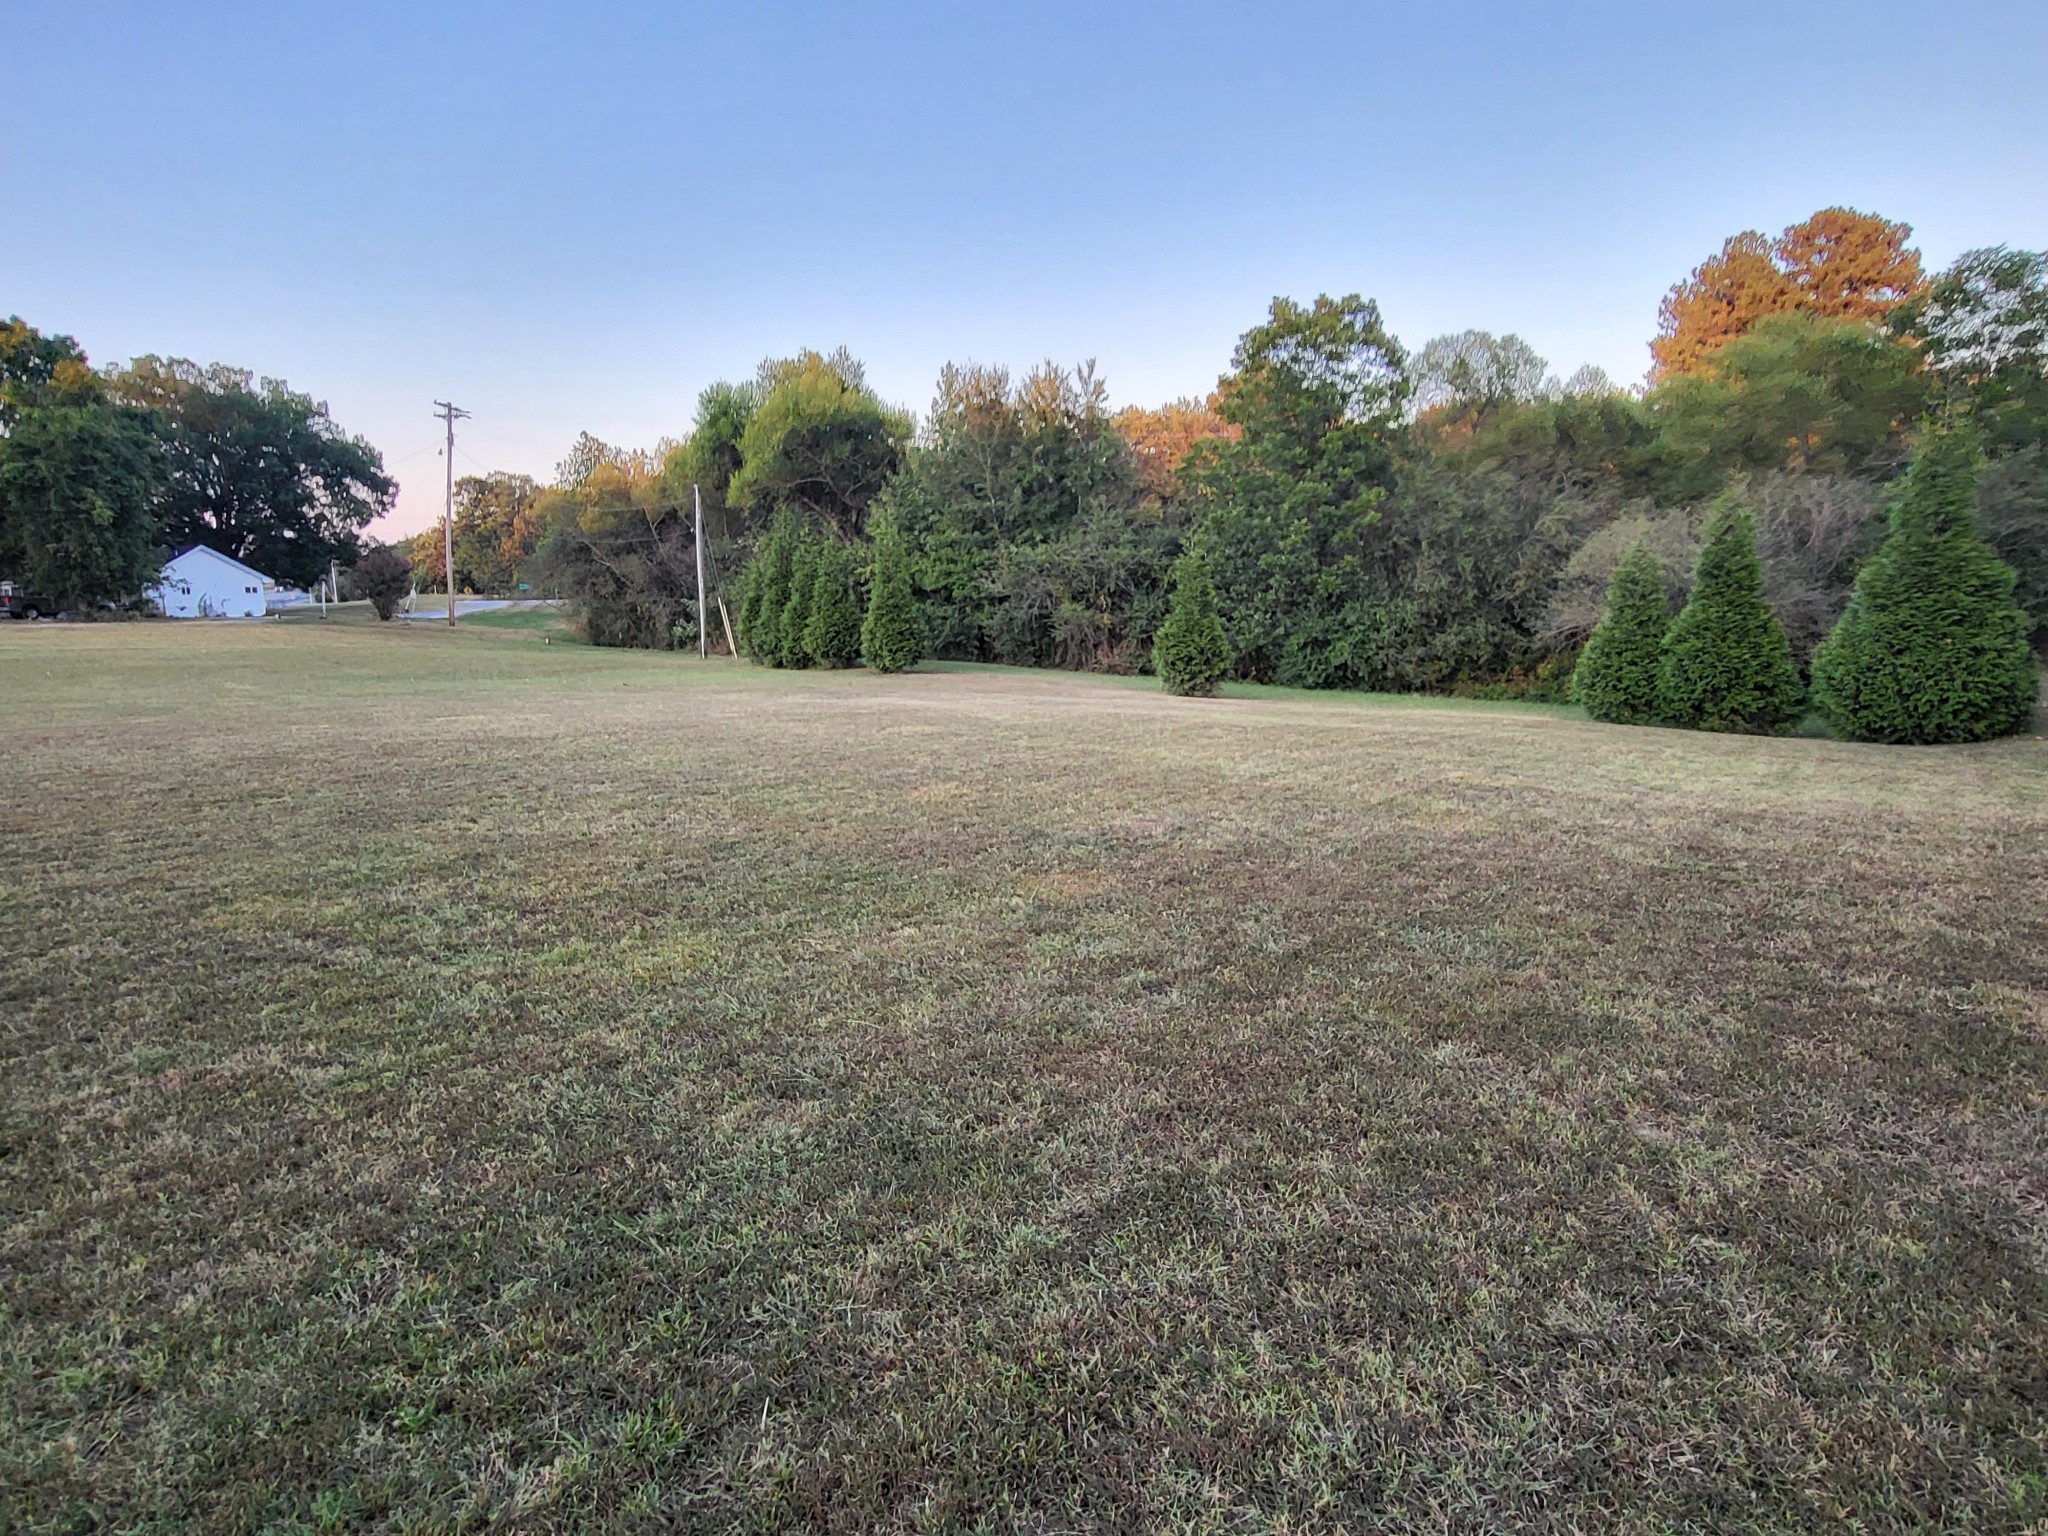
<point>575,216</point>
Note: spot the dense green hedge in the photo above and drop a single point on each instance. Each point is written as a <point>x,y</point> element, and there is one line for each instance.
<point>832,635</point>
<point>891,637</point>
<point>800,603</point>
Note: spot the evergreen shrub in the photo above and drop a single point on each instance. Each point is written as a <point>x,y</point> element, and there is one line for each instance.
<point>1189,652</point>
<point>1932,647</point>
<point>1617,677</point>
<point>1725,664</point>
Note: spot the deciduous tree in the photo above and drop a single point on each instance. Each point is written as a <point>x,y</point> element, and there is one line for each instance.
<point>705,464</point>
<point>382,577</point>
<point>1983,327</point>
<point>617,549</point>
<point>79,475</point>
<point>1470,375</point>
<point>1160,441</point>
<point>1088,597</point>
<point>819,441</point>
<point>1005,509</point>
<point>1578,596</point>
<point>36,369</point>
<point>1846,265</point>
<point>2012,517</point>
<point>1725,295</point>
<point>1589,379</point>
<point>498,529</point>
<point>1987,314</point>
<point>255,469</point>
<point>1798,392</point>
<point>1838,264</point>
<point>1287,510</point>
<point>77,482</point>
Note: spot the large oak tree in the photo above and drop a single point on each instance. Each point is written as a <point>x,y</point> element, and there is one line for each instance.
<point>255,469</point>
<point>79,475</point>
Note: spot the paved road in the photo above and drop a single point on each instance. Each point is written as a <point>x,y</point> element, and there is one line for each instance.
<point>439,607</point>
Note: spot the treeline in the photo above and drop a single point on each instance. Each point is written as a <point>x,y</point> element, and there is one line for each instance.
<point>101,470</point>
<point>805,441</point>
<point>1447,519</point>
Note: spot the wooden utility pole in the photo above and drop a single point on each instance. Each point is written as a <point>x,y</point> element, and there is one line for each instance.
<point>703,617</point>
<point>449,414</point>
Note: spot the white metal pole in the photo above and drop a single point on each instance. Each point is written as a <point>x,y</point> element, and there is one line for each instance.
<point>703,616</point>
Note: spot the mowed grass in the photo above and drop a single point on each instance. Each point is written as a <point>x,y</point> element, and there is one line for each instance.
<point>540,619</point>
<point>458,1083</point>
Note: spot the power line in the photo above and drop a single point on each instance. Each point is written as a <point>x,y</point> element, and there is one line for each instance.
<point>409,457</point>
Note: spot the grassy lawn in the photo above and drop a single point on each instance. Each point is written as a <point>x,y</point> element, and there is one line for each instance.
<point>540,619</point>
<point>455,1083</point>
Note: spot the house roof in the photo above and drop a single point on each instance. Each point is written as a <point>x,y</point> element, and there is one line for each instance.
<point>180,553</point>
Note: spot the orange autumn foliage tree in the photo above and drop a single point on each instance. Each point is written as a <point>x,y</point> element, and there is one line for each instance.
<point>1724,297</point>
<point>1847,265</point>
<point>1839,263</point>
<point>1160,440</point>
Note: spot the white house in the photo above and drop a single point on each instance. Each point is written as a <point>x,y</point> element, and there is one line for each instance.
<point>202,583</point>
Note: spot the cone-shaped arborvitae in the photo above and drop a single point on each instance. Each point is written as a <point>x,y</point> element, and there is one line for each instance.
<point>891,637</point>
<point>765,593</point>
<point>1726,666</point>
<point>1932,647</point>
<point>1189,652</point>
<point>1616,678</point>
<point>796,612</point>
<point>832,638</point>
